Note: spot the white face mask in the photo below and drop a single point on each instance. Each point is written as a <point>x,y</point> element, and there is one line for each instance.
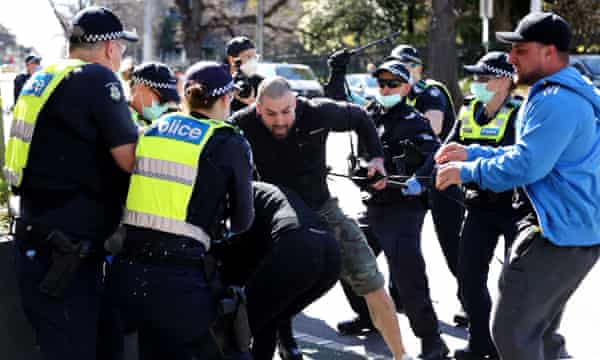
<point>250,67</point>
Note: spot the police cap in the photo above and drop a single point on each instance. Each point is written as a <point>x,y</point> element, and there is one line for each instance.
<point>238,44</point>
<point>32,59</point>
<point>396,68</point>
<point>542,27</point>
<point>94,24</point>
<point>159,77</point>
<point>214,76</point>
<point>494,63</point>
<point>405,53</point>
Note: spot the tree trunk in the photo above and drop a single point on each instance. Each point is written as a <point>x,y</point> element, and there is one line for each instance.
<point>410,18</point>
<point>193,31</point>
<point>442,46</point>
<point>502,20</point>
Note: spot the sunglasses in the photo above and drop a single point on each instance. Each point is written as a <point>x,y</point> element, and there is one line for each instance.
<point>390,83</point>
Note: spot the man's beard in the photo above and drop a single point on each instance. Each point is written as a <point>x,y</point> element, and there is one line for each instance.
<point>280,132</point>
<point>528,79</point>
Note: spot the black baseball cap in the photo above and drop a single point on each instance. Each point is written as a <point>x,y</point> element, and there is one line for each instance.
<point>95,23</point>
<point>238,44</point>
<point>32,59</point>
<point>159,77</point>
<point>543,27</point>
<point>405,53</point>
<point>494,63</point>
<point>214,76</point>
<point>396,68</point>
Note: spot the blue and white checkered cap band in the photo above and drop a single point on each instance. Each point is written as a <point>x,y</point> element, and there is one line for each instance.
<point>496,71</point>
<point>153,84</point>
<point>222,90</point>
<point>92,38</point>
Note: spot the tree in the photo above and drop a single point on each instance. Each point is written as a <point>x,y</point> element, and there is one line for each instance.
<point>584,18</point>
<point>442,59</point>
<point>203,18</point>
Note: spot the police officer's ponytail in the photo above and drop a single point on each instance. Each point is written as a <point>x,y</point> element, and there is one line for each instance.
<point>197,96</point>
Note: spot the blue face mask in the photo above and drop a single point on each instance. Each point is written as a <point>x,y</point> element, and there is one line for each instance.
<point>388,101</point>
<point>480,92</point>
<point>155,111</point>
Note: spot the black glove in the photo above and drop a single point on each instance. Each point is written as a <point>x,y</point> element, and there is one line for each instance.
<point>375,110</point>
<point>339,60</point>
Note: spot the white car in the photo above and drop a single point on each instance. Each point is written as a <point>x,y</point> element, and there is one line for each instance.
<point>301,77</point>
<point>363,85</point>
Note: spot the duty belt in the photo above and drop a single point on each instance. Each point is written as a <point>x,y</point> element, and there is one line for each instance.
<point>173,251</point>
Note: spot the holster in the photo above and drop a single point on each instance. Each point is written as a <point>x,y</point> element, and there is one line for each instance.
<point>66,257</point>
<point>230,330</point>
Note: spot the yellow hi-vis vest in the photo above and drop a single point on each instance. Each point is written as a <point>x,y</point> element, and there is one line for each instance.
<point>166,169</point>
<point>428,83</point>
<point>34,96</point>
<point>492,131</point>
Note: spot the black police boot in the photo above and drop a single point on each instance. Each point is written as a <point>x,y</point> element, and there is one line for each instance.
<point>286,344</point>
<point>461,319</point>
<point>356,326</point>
<point>467,354</point>
<point>433,348</point>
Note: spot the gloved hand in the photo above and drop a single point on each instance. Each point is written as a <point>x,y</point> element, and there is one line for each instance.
<point>339,60</point>
<point>413,187</point>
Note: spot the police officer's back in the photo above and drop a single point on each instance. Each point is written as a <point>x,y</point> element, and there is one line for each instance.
<point>192,172</point>
<point>68,156</point>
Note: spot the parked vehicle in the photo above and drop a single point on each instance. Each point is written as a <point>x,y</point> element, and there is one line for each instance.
<point>301,77</point>
<point>363,85</point>
<point>588,65</point>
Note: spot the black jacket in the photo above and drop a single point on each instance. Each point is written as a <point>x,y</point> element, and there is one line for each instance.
<point>299,161</point>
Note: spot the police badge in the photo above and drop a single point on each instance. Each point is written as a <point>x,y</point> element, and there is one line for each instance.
<point>115,92</point>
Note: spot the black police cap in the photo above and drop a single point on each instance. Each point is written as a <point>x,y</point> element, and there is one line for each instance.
<point>214,76</point>
<point>238,44</point>
<point>396,68</point>
<point>159,77</point>
<point>543,27</point>
<point>95,23</point>
<point>32,59</point>
<point>405,53</point>
<point>494,63</point>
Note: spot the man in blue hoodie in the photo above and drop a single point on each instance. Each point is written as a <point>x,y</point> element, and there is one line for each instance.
<point>556,161</point>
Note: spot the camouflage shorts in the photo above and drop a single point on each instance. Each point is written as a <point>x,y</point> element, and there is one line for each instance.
<point>359,265</point>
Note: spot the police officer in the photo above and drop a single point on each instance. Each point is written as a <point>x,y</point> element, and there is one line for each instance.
<point>486,118</point>
<point>191,169</point>
<point>432,99</point>
<point>398,124</point>
<point>32,64</point>
<point>69,152</point>
<point>242,60</point>
<point>153,91</point>
<point>288,137</point>
<point>285,261</point>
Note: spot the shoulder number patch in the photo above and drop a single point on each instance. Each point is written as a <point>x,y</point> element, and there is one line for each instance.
<point>434,91</point>
<point>114,92</point>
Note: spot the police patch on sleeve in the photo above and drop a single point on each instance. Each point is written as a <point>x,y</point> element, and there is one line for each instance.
<point>435,92</point>
<point>114,92</point>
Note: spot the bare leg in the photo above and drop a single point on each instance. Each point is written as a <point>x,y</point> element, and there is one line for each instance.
<point>383,315</point>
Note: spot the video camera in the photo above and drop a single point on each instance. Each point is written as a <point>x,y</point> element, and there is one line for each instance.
<point>241,81</point>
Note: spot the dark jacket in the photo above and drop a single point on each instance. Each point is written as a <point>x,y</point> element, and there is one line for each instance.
<point>299,161</point>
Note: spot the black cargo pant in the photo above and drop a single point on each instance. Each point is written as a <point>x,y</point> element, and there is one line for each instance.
<point>480,234</point>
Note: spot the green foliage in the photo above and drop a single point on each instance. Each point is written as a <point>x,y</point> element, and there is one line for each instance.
<point>328,25</point>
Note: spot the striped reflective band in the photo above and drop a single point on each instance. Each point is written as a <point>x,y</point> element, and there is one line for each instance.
<point>11,176</point>
<point>165,170</point>
<point>21,130</point>
<point>163,224</point>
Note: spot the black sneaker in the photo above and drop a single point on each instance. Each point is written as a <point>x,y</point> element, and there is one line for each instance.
<point>434,348</point>
<point>467,354</point>
<point>355,326</point>
<point>286,344</point>
<point>461,319</point>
